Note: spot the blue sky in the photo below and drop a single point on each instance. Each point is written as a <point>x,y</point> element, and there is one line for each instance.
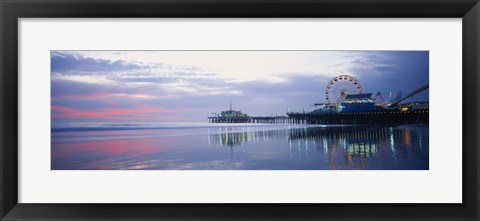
<point>187,86</point>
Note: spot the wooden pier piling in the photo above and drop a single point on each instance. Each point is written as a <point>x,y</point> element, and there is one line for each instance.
<point>372,118</point>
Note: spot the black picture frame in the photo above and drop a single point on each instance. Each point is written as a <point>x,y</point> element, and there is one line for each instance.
<point>12,10</point>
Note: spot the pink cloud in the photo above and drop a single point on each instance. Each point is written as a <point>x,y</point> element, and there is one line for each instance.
<point>101,95</point>
<point>111,113</point>
<point>84,96</point>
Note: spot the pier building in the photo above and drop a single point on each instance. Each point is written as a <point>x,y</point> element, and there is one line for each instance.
<point>229,116</point>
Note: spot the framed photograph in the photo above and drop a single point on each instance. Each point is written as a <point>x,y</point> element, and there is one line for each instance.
<point>319,110</point>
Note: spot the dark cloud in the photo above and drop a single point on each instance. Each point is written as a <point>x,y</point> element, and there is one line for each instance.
<point>63,62</point>
<point>392,71</point>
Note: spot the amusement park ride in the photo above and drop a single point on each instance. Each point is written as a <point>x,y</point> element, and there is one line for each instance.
<point>344,94</point>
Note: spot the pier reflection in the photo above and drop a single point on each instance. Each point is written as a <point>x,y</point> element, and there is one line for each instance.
<point>239,136</point>
<point>341,147</point>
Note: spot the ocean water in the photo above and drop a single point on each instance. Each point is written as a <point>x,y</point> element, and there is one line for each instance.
<point>240,147</point>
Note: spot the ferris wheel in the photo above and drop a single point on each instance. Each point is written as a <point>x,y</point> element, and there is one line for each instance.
<point>341,86</point>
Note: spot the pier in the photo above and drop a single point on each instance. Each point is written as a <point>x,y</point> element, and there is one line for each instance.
<point>346,104</point>
<point>386,117</point>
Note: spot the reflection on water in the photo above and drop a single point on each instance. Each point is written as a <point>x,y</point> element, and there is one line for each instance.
<point>256,147</point>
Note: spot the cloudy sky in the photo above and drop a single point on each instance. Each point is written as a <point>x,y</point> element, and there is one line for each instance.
<point>187,86</point>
